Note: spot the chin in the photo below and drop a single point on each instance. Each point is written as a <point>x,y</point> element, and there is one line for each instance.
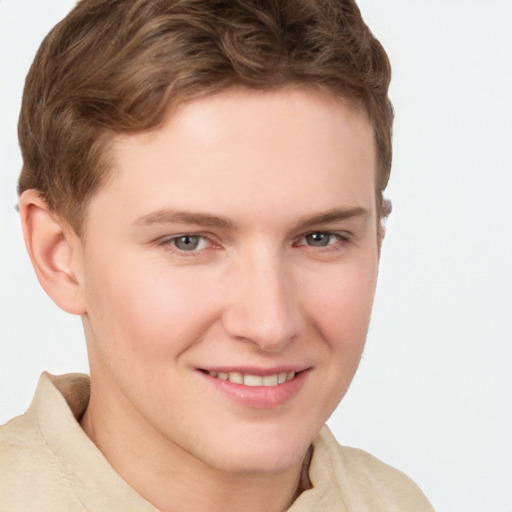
<point>244,463</point>
<point>262,454</point>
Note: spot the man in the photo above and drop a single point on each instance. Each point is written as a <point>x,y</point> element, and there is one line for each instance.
<point>202,184</point>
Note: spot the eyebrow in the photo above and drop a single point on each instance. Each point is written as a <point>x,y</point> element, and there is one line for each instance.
<point>335,215</point>
<point>167,216</point>
<point>172,216</point>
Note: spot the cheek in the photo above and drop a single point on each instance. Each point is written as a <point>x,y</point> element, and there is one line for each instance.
<point>149,315</point>
<point>343,305</point>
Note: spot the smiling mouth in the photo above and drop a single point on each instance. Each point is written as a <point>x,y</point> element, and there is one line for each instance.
<point>253,380</point>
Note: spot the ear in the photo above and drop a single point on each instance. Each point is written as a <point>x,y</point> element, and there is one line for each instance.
<point>386,212</point>
<point>381,234</point>
<point>55,251</point>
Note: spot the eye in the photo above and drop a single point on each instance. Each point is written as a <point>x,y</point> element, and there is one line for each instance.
<point>188,243</point>
<point>321,239</point>
<point>318,239</point>
<point>327,240</point>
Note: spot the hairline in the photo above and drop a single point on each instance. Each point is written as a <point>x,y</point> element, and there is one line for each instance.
<point>107,138</point>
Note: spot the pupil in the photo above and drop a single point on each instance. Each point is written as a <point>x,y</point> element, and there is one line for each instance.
<point>318,239</point>
<point>187,243</point>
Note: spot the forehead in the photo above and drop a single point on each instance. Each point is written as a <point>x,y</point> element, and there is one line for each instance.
<point>259,111</point>
<point>242,148</point>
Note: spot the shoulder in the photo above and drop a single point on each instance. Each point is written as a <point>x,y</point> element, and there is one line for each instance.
<point>364,482</point>
<point>27,467</point>
<point>18,433</point>
<point>366,470</point>
<point>20,441</point>
<point>31,474</point>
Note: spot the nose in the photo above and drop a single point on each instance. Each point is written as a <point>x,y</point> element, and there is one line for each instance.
<point>262,306</point>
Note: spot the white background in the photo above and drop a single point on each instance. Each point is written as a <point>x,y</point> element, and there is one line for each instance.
<point>433,395</point>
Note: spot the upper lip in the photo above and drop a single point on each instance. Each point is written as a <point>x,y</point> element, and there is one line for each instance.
<point>256,370</point>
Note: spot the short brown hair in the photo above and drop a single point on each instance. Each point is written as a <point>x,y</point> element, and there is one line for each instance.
<point>117,66</point>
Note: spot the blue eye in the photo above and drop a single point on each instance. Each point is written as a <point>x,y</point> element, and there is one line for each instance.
<point>323,239</point>
<point>319,239</point>
<point>188,243</point>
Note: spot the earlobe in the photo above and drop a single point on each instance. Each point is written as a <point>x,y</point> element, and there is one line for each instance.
<point>54,250</point>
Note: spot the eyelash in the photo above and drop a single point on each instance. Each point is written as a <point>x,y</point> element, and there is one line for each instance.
<point>170,243</point>
<point>340,239</point>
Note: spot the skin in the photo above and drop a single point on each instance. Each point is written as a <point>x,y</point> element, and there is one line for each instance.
<point>277,190</point>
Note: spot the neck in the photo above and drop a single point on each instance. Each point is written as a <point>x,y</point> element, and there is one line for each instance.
<point>195,485</point>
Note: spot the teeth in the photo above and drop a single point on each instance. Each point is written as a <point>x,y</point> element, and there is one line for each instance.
<point>236,378</point>
<point>270,380</point>
<point>254,380</point>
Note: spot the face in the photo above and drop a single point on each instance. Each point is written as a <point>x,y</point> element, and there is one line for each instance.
<point>228,272</point>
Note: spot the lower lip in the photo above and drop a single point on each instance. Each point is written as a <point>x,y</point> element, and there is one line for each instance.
<point>259,397</point>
